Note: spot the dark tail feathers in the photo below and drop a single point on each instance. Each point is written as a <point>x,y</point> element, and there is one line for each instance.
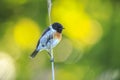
<point>34,54</point>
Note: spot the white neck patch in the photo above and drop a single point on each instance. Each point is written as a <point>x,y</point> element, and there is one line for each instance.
<point>52,29</point>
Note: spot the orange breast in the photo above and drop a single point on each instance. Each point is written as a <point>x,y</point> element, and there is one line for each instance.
<point>58,36</point>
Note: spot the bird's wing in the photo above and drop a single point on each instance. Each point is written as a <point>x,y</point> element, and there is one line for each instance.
<point>47,30</point>
<point>46,38</point>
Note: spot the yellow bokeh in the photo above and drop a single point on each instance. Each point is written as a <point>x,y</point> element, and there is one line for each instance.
<point>79,26</point>
<point>26,32</point>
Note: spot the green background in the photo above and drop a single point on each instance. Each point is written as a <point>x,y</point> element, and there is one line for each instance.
<point>89,50</point>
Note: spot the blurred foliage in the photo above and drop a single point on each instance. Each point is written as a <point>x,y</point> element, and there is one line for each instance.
<point>89,49</point>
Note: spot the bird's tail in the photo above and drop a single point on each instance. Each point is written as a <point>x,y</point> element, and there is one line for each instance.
<point>34,53</point>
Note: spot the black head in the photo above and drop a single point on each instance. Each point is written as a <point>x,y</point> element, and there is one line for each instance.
<point>58,27</point>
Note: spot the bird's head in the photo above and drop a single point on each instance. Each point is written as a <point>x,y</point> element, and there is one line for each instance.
<point>58,27</point>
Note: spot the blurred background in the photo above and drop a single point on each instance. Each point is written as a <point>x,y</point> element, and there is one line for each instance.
<point>89,50</point>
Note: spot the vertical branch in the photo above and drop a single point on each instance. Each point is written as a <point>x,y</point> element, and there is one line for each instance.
<point>51,50</point>
<point>52,64</point>
<point>49,10</point>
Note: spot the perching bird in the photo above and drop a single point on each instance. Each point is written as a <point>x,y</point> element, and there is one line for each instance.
<point>49,39</point>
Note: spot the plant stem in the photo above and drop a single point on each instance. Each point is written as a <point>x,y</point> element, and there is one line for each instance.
<point>51,50</point>
<point>52,64</point>
<point>49,10</point>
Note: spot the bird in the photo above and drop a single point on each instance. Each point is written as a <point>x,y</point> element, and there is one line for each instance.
<point>49,39</point>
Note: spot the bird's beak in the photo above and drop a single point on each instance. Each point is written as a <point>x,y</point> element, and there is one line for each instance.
<point>63,28</point>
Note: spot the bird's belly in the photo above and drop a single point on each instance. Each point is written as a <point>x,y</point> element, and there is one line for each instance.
<point>53,43</point>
